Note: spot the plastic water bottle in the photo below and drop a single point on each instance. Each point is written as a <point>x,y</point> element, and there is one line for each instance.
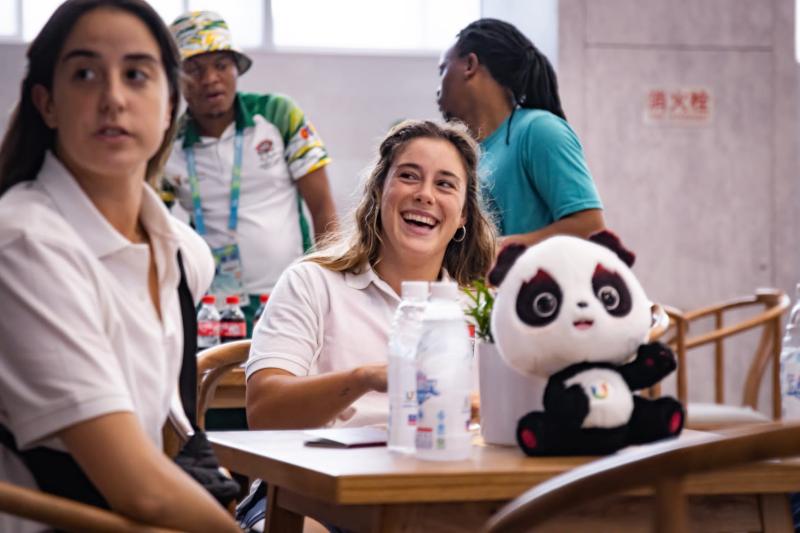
<point>233,326</point>
<point>444,378</point>
<point>790,364</point>
<point>207,323</point>
<point>262,303</point>
<point>402,373</point>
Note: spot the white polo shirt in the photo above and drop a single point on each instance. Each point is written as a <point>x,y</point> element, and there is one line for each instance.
<point>80,335</point>
<point>279,147</point>
<point>319,321</point>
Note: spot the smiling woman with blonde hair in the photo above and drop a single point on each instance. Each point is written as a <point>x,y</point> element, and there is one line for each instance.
<point>319,351</point>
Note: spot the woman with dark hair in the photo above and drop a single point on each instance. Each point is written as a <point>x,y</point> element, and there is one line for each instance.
<point>319,351</point>
<point>533,172</point>
<point>91,267</point>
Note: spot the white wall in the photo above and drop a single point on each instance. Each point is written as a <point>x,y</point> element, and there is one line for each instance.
<point>537,19</point>
<point>711,209</point>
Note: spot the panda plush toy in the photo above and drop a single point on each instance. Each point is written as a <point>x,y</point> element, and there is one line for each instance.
<point>571,310</point>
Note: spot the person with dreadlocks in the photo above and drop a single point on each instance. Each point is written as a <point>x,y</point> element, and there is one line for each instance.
<point>534,175</point>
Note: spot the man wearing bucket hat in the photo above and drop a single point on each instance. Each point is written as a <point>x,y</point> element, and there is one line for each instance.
<point>242,165</point>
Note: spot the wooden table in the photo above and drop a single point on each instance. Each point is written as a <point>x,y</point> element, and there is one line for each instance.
<point>372,489</point>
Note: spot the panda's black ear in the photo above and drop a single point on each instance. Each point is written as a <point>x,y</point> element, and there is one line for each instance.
<point>508,256</point>
<point>610,240</point>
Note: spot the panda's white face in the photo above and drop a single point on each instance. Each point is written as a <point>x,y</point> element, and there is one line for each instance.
<point>565,301</point>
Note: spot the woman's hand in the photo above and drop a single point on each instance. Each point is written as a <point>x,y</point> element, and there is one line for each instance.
<point>277,399</point>
<point>373,376</point>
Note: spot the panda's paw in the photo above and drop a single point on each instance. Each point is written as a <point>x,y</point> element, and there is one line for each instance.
<point>657,357</point>
<point>531,434</point>
<point>675,419</point>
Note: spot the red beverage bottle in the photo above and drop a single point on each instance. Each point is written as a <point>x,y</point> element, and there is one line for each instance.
<point>233,326</point>
<point>207,324</point>
<point>263,299</point>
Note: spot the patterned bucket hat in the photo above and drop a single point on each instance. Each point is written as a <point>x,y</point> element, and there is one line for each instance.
<point>201,32</point>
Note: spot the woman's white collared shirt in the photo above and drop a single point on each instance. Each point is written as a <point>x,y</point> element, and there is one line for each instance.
<point>319,321</point>
<point>80,335</point>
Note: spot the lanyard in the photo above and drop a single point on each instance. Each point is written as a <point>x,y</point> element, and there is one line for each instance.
<point>236,181</point>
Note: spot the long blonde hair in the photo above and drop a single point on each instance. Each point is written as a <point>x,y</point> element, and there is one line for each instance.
<point>359,244</point>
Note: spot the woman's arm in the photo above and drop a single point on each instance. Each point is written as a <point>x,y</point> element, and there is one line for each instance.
<point>580,224</point>
<point>277,399</point>
<point>137,479</point>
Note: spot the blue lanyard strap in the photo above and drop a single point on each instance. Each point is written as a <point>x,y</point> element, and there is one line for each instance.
<point>236,185</point>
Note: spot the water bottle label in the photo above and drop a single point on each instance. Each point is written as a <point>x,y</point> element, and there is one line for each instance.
<point>424,438</point>
<point>443,421</point>
<point>208,328</point>
<point>425,388</point>
<point>792,385</point>
<point>233,329</point>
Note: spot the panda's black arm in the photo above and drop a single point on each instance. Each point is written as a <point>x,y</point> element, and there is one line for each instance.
<point>568,405</point>
<point>653,362</point>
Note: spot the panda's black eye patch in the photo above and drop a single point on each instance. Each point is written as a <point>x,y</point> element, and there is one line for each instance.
<point>539,300</point>
<point>611,290</point>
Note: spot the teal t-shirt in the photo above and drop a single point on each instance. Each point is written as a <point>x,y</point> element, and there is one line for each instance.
<point>537,178</point>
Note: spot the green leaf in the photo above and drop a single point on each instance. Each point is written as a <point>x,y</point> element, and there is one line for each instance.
<point>483,298</point>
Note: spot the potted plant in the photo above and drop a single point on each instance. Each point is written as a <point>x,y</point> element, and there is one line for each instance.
<point>505,395</point>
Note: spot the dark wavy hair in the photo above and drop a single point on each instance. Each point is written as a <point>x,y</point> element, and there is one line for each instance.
<point>27,137</point>
<point>360,244</point>
<point>514,62</point>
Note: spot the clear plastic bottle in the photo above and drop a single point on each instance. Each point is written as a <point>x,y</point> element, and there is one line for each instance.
<point>262,303</point>
<point>790,364</point>
<point>444,378</point>
<point>402,373</point>
<point>207,323</point>
<point>233,326</point>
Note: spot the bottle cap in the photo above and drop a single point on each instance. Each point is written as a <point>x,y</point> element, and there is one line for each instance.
<point>232,300</point>
<point>418,290</point>
<point>445,290</point>
<point>209,299</point>
<point>263,298</point>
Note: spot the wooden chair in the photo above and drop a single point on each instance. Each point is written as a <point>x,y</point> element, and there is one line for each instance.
<point>64,514</point>
<point>212,364</point>
<point>763,310</point>
<point>662,466</point>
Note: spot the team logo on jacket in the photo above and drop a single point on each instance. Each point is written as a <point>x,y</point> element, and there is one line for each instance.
<point>266,154</point>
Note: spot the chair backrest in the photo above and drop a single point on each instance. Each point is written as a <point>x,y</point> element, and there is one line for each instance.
<point>64,514</point>
<point>662,465</point>
<point>764,310</point>
<point>212,364</point>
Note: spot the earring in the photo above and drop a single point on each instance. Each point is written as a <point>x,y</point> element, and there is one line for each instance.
<point>463,234</point>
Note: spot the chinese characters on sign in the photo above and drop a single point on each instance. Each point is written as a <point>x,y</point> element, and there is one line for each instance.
<point>678,106</point>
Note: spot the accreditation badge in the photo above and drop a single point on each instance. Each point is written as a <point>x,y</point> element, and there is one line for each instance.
<point>228,274</point>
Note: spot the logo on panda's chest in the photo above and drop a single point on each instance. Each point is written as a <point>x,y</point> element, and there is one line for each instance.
<point>610,399</point>
<point>599,391</point>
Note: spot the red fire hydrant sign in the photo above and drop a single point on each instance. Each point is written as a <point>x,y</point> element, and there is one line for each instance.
<point>679,106</point>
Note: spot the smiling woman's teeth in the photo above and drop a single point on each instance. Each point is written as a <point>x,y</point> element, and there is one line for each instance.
<point>419,219</point>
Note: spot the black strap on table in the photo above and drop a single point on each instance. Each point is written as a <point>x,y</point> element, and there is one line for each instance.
<point>56,472</point>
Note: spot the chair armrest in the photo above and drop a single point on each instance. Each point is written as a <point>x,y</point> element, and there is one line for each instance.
<point>646,466</point>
